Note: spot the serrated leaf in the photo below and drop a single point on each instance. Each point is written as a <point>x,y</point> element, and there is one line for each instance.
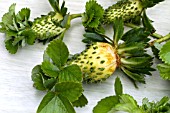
<point>37,78</point>
<point>50,69</point>
<point>128,104</point>
<point>93,15</point>
<point>164,70</point>
<point>46,57</point>
<point>58,52</point>
<point>118,30</point>
<point>50,83</point>
<point>24,14</point>
<point>136,35</point>
<point>82,101</point>
<point>7,18</point>
<point>53,103</point>
<point>118,87</point>
<point>106,105</point>
<point>17,40</point>
<point>9,46</point>
<point>70,90</point>
<point>71,73</point>
<point>29,35</point>
<point>165,53</point>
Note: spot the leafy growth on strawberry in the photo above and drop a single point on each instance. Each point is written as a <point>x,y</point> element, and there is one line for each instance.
<point>17,29</point>
<point>62,81</point>
<point>126,103</point>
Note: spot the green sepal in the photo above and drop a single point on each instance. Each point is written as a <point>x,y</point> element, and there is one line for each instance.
<point>134,76</point>
<point>118,87</point>
<point>164,70</point>
<point>81,102</point>
<point>70,90</point>
<point>106,105</point>
<point>58,52</point>
<point>62,104</point>
<point>93,37</point>
<point>136,35</point>
<point>118,30</point>
<point>165,53</point>
<point>147,23</point>
<point>150,3</point>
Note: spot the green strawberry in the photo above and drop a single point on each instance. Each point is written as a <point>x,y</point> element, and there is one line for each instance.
<point>127,9</point>
<point>48,26</point>
<point>97,61</point>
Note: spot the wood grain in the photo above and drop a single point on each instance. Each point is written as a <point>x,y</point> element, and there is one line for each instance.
<point>16,92</point>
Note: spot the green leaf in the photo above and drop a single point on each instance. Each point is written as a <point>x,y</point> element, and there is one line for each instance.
<point>46,57</point>
<point>29,35</point>
<point>17,39</point>
<point>106,105</point>
<point>118,87</point>
<point>94,37</point>
<point>24,14</point>
<point>82,101</point>
<point>71,73</point>
<point>50,83</point>
<point>165,53</point>
<point>147,23</point>
<point>136,35</point>
<point>50,69</point>
<point>93,15</point>
<point>7,18</point>
<point>164,70</point>
<point>55,5</point>
<point>9,46</point>
<point>118,30</point>
<point>37,78</point>
<point>58,52</point>
<point>128,104</point>
<point>70,90</point>
<point>53,103</point>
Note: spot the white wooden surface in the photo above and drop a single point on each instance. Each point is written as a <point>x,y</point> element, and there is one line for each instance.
<point>16,92</point>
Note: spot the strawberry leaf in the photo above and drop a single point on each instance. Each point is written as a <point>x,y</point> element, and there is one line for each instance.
<point>70,90</point>
<point>10,47</point>
<point>128,104</point>
<point>53,103</point>
<point>50,69</point>
<point>106,105</point>
<point>93,15</point>
<point>82,101</point>
<point>58,52</point>
<point>71,73</point>
<point>164,70</point>
<point>165,53</point>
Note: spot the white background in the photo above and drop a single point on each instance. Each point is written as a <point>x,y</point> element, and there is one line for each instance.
<point>16,92</point>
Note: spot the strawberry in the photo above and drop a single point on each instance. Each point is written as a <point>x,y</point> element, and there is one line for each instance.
<point>127,9</point>
<point>97,61</point>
